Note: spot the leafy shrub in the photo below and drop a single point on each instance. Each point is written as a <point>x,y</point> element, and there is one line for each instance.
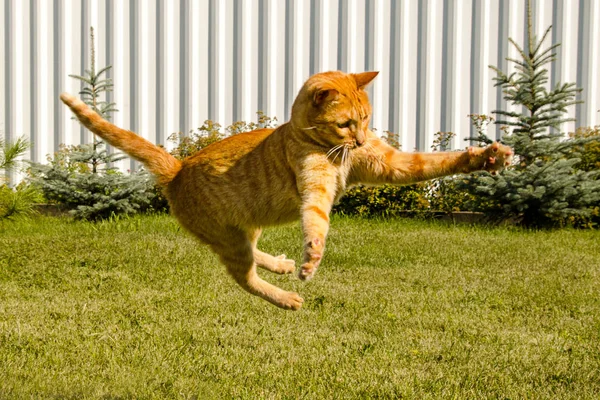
<point>211,132</point>
<point>589,151</point>
<point>196,140</point>
<point>385,200</point>
<point>264,121</point>
<point>445,194</point>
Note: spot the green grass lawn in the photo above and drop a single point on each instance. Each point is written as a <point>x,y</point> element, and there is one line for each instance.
<point>399,309</point>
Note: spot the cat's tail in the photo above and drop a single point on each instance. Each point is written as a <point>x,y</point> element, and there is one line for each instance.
<point>156,159</point>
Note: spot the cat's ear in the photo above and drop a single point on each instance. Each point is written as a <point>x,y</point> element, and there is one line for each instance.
<point>324,96</point>
<point>364,78</point>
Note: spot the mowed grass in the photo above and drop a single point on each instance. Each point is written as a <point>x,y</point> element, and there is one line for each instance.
<point>399,309</point>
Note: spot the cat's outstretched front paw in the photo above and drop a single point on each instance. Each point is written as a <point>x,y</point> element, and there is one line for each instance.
<point>493,158</point>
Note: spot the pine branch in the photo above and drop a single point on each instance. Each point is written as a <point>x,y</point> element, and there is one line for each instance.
<point>11,151</point>
<point>506,113</point>
<point>542,40</point>
<point>519,49</point>
<point>82,78</point>
<point>549,49</point>
<point>103,70</point>
<point>519,63</point>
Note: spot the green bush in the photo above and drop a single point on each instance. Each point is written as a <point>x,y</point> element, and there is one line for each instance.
<point>445,194</point>
<point>437,195</point>
<point>211,132</point>
<point>588,154</point>
<point>589,151</point>
<point>196,140</point>
<point>68,180</point>
<point>385,200</point>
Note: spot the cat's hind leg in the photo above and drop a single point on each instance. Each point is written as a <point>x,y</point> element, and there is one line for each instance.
<point>238,256</point>
<point>278,264</point>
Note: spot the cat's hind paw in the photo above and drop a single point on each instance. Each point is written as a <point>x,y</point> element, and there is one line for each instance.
<point>278,265</point>
<point>284,265</point>
<point>291,301</point>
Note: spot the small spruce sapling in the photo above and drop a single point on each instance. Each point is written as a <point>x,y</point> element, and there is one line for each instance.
<point>81,178</point>
<point>94,85</point>
<point>543,188</point>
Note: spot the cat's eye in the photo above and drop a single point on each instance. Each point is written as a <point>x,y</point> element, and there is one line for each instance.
<point>344,125</point>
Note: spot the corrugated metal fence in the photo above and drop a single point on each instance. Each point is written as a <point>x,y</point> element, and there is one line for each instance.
<point>180,62</point>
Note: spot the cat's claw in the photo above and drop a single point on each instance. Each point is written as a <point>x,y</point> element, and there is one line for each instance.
<point>493,158</point>
<point>307,271</point>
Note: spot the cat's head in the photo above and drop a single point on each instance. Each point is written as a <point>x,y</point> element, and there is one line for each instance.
<point>332,108</point>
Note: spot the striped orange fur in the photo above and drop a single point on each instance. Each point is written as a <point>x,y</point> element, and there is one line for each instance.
<point>227,192</point>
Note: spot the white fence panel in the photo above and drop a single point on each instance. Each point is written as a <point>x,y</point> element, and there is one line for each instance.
<point>177,63</point>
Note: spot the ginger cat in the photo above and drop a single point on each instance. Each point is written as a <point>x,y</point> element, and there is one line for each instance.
<point>227,192</point>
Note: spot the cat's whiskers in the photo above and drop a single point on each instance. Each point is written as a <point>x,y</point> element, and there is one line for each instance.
<point>309,128</point>
<point>345,154</point>
<point>339,150</point>
<point>332,150</point>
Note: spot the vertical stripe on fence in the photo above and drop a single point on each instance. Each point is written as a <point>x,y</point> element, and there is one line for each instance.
<point>9,82</point>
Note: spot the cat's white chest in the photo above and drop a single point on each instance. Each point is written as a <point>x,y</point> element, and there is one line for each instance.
<point>341,182</point>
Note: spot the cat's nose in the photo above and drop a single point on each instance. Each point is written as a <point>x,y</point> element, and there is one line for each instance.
<point>360,141</point>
